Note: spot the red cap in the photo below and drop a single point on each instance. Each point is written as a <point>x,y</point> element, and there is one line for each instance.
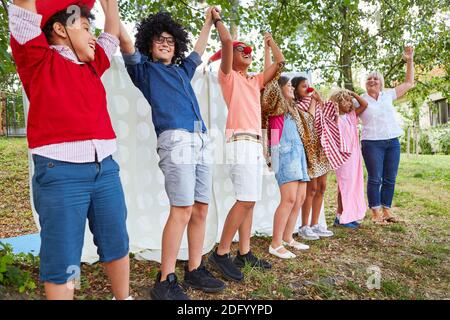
<point>47,8</point>
<point>218,55</point>
<point>310,89</point>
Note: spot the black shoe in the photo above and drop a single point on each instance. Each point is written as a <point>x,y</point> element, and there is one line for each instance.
<point>253,261</point>
<point>225,266</point>
<point>168,289</point>
<point>202,279</point>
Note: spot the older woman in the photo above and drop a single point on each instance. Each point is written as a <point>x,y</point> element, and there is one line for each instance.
<point>380,144</point>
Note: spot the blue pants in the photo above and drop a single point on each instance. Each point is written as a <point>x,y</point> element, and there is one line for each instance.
<point>382,158</point>
<point>65,196</point>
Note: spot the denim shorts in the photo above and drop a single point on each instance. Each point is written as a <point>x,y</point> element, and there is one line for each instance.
<point>186,162</point>
<point>288,157</point>
<point>65,195</point>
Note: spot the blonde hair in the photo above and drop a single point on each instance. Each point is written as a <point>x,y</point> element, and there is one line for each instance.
<point>378,75</point>
<point>341,95</point>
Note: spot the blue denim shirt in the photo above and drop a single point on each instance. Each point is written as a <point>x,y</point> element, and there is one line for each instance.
<point>168,90</point>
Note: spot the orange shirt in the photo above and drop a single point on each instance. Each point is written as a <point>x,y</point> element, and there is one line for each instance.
<point>243,98</point>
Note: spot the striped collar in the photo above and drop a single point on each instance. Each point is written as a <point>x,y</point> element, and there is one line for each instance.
<point>66,52</point>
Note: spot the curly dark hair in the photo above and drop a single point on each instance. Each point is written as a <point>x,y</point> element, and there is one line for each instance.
<point>153,26</point>
<point>295,83</point>
<point>63,17</point>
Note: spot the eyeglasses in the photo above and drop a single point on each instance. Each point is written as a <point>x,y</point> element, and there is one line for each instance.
<point>160,40</point>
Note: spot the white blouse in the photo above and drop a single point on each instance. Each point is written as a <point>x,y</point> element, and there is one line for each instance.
<point>379,120</point>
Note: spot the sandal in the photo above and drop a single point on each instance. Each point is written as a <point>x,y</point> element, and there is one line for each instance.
<point>388,217</point>
<point>378,219</point>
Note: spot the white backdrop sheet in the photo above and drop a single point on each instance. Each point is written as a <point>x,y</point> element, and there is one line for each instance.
<point>143,181</point>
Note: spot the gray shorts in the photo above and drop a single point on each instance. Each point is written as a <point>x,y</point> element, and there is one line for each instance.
<point>186,162</point>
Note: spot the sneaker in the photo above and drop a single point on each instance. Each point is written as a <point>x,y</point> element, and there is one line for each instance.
<point>225,266</point>
<point>307,233</point>
<point>322,231</point>
<point>253,261</point>
<point>202,279</point>
<point>168,289</point>
<point>350,225</point>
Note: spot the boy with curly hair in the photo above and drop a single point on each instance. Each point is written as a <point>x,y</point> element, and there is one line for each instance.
<point>71,138</point>
<point>159,68</point>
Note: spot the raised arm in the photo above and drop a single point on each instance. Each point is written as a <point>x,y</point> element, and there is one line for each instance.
<point>29,5</point>
<point>226,64</point>
<point>408,55</point>
<point>202,41</point>
<point>267,56</point>
<point>112,20</point>
<point>271,70</point>
<point>362,103</point>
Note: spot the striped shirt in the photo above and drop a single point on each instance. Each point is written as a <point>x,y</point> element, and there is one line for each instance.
<point>325,124</point>
<point>25,26</point>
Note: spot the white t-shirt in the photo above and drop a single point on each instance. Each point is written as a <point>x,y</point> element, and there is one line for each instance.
<point>379,120</point>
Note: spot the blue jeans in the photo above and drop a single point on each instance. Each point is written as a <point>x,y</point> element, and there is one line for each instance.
<point>382,158</point>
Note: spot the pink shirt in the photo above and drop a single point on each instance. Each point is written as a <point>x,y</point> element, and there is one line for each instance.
<point>276,124</point>
<point>243,98</point>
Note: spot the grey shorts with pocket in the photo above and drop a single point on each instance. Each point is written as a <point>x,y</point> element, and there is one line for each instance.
<point>186,162</point>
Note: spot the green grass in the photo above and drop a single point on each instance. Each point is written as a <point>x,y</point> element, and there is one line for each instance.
<point>392,288</point>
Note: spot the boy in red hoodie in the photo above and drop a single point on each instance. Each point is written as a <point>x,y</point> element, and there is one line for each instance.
<point>71,138</point>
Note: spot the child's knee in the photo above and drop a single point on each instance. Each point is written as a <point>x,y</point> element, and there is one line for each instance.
<point>312,191</point>
<point>321,188</point>
<point>200,212</point>
<point>182,214</point>
<point>289,202</point>
<point>247,205</point>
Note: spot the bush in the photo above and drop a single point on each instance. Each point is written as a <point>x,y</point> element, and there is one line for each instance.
<point>439,138</point>
<point>11,274</point>
<point>444,143</point>
<point>424,144</point>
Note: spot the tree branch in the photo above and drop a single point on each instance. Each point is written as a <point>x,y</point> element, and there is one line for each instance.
<point>391,69</point>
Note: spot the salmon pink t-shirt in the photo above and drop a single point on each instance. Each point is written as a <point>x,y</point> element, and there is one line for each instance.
<point>242,95</point>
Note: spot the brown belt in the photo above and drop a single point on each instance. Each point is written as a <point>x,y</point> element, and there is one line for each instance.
<point>245,136</point>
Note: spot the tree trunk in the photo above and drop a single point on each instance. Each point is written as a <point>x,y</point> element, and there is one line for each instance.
<point>234,15</point>
<point>2,112</point>
<point>5,6</point>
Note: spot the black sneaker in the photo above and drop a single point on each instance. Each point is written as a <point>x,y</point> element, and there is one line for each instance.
<point>168,289</point>
<point>202,279</point>
<point>253,261</point>
<point>225,266</point>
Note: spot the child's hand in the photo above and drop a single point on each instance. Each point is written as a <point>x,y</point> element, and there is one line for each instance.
<point>208,16</point>
<point>353,94</point>
<point>268,40</point>
<point>316,97</point>
<point>215,13</point>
